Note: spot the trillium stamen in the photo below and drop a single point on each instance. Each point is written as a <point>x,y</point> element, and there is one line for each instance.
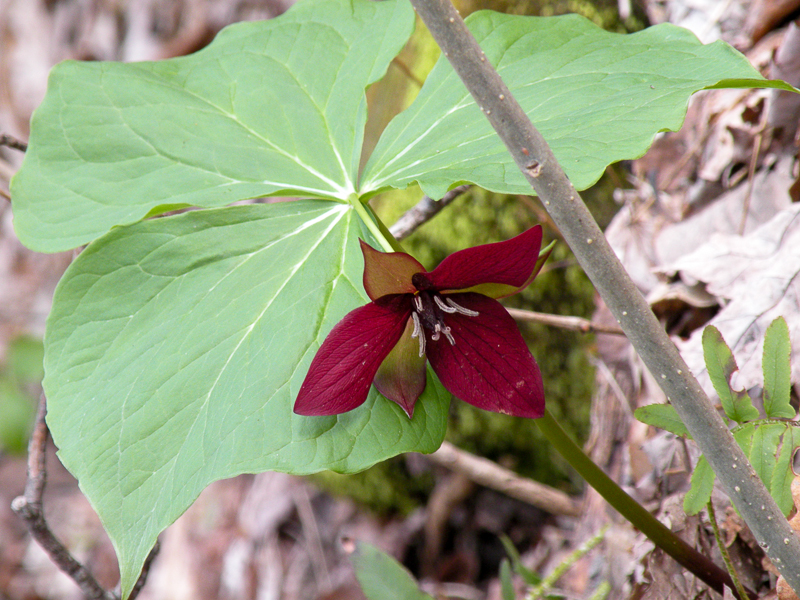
<point>448,335</point>
<point>429,308</point>
<point>418,333</point>
<point>460,309</point>
<point>440,303</point>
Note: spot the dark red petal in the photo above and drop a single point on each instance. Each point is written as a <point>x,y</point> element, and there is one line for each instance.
<point>388,272</point>
<point>510,263</point>
<point>490,365</point>
<point>402,375</point>
<point>342,371</point>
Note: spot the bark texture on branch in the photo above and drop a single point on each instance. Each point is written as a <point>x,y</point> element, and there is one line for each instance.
<point>490,474</point>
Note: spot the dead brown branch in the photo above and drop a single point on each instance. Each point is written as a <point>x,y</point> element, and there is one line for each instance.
<point>30,509</point>
<point>571,323</point>
<point>490,474</point>
<point>422,212</point>
<point>12,142</point>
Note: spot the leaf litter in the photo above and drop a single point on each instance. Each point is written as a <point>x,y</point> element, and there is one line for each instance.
<point>709,232</point>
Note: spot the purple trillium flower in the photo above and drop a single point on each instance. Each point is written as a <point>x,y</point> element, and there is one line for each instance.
<point>448,316</point>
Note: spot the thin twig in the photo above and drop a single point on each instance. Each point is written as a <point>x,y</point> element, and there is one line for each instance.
<point>422,212</point>
<point>751,170</point>
<point>491,475</point>
<point>30,510</point>
<point>37,473</point>
<point>448,493</point>
<point>12,142</point>
<point>571,323</point>
<point>308,521</point>
<point>537,163</point>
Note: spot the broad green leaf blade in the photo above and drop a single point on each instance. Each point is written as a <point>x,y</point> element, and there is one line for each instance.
<point>701,487</point>
<point>597,98</point>
<point>175,350</point>
<point>721,366</point>
<point>382,578</point>
<point>270,107</point>
<point>663,416</point>
<point>764,449</point>
<point>783,475</point>
<point>777,371</point>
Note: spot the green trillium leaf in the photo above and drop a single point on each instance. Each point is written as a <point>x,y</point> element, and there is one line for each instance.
<point>268,108</point>
<point>175,350</point>
<point>596,97</point>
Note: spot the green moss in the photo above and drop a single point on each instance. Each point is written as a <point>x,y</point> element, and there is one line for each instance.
<point>20,380</point>
<point>603,13</point>
<point>386,488</point>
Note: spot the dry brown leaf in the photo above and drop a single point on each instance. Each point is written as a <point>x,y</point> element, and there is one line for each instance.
<point>766,14</point>
<point>757,279</point>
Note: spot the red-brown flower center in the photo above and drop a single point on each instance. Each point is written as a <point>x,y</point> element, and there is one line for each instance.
<point>429,311</point>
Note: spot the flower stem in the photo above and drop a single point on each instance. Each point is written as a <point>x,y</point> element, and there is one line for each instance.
<point>634,512</point>
<point>376,227</point>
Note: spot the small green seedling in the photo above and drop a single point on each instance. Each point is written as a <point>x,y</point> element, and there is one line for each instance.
<point>383,578</point>
<point>769,441</point>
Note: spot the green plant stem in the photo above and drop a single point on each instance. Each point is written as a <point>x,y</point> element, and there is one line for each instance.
<point>565,565</point>
<point>537,163</point>
<point>726,558</point>
<point>634,512</point>
<point>376,226</point>
<point>602,591</point>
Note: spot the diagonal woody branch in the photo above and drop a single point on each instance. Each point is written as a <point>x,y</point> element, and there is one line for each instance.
<point>30,509</point>
<point>490,474</point>
<point>536,161</point>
